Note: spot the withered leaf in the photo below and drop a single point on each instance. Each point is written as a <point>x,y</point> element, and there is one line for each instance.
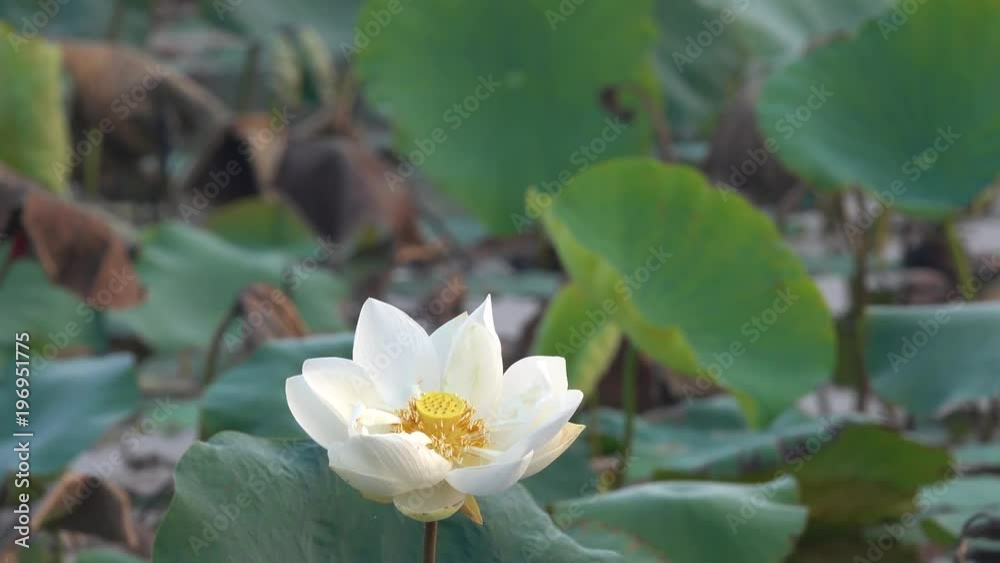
<point>77,250</point>
<point>265,313</point>
<point>126,95</point>
<point>240,161</point>
<point>331,179</point>
<point>89,505</point>
<point>270,313</point>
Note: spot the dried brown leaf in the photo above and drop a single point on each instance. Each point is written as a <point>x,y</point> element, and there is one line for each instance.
<point>341,186</point>
<point>272,314</point>
<point>89,505</point>
<point>77,250</point>
<point>128,95</point>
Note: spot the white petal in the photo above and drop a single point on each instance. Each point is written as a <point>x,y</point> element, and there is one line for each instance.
<point>430,504</point>
<point>529,393</point>
<point>528,383</point>
<point>490,479</point>
<point>475,365</point>
<point>549,452</point>
<point>441,339</point>
<point>550,369</point>
<point>375,421</point>
<point>316,417</point>
<point>395,348</point>
<point>546,429</point>
<point>342,384</point>
<point>373,487</point>
<point>386,465</point>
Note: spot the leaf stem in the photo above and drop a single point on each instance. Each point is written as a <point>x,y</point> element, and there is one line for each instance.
<point>248,77</point>
<point>116,21</point>
<point>92,172</point>
<point>629,405</point>
<point>959,260</point>
<point>664,140</point>
<point>215,344</point>
<point>430,541</point>
<point>859,294</point>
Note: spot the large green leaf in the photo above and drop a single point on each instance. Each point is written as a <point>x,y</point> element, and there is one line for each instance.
<point>932,358</point>
<point>580,331</point>
<point>946,506</point>
<point>984,457</point>
<point>493,97</point>
<point>57,320</point>
<point>702,281</point>
<point>777,30</point>
<point>690,521</point>
<point>862,111</point>
<point>703,449</point>
<point>247,499</point>
<point>866,475</point>
<point>262,224</point>
<point>31,110</point>
<point>72,403</point>
<point>250,398</point>
<point>849,471</point>
<point>569,476</point>
<point>697,69</point>
<point>193,278</point>
<point>107,556</point>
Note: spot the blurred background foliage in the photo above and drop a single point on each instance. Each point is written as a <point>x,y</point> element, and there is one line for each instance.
<point>761,232</point>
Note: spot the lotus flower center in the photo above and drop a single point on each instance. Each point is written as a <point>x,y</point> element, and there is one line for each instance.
<point>448,421</point>
<point>439,407</point>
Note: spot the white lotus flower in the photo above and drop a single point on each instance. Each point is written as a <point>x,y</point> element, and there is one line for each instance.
<point>426,422</point>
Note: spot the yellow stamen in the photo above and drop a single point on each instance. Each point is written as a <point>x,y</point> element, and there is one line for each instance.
<point>447,420</point>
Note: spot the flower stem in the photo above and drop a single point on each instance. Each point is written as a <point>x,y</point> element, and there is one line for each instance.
<point>430,541</point>
<point>593,426</point>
